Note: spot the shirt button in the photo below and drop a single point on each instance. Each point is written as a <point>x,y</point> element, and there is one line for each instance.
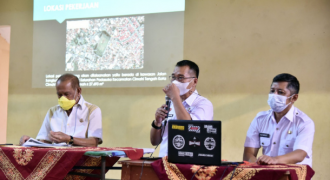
<point>274,142</point>
<point>276,128</point>
<point>262,143</point>
<point>287,145</point>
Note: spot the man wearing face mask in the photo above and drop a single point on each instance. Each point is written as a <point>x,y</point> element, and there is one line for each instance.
<point>284,132</point>
<point>74,121</point>
<point>186,104</point>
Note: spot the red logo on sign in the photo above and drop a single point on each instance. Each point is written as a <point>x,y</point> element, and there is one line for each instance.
<point>194,128</point>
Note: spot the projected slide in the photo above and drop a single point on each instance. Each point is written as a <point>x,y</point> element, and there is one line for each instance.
<point>117,43</point>
<point>105,44</point>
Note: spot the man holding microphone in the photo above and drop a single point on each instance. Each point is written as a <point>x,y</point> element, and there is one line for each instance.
<point>186,104</point>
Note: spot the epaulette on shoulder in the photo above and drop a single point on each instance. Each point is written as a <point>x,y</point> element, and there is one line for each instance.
<point>263,113</point>
<point>91,107</point>
<point>52,111</point>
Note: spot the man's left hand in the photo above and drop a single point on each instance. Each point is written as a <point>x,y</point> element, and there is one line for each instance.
<point>171,91</point>
<point>59,137</point>
<point>264,160</point>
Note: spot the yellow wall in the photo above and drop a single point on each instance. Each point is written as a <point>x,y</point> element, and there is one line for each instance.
<point>239,45</point>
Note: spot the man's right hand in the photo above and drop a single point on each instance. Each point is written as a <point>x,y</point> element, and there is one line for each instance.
<point>160,115</point>
<point>155,137</point>
<point>23,139</point>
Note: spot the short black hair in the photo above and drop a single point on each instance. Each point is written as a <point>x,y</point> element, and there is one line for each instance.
<point>293,83</point>
<point>74,80</point>
<point>192,66</point>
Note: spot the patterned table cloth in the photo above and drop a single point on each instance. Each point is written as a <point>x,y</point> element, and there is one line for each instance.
<point>166,170</point>
<point>31,163</point>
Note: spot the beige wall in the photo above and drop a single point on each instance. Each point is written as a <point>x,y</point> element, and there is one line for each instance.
<point>239,45</point>
<point>4,74</point>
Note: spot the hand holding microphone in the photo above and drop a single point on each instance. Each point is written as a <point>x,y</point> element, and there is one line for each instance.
<point>167,108</point>
<point>168,105</point>
<point>162,112</point>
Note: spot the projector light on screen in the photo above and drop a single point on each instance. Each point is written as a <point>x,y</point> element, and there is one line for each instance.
<point>117,43</point>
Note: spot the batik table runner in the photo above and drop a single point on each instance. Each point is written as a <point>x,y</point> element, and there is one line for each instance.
<point>166,170</point>
<point>24,163</point>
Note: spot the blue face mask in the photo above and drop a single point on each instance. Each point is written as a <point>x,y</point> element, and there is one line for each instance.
<point>277,102</point>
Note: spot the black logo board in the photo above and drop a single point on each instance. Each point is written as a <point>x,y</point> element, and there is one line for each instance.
<point>194,142</point>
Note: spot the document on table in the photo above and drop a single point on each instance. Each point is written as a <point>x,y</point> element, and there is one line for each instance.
<point>35,143</point>
<point>116,153</point>
<point>148,150</point>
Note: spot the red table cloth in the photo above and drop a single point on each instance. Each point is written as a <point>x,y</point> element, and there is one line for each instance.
<point>30,163</point>
<point>166,170</point>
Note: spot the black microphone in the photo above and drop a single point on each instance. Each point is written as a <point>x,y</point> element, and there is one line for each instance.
<point>168,105</point>
<point>167,108</point>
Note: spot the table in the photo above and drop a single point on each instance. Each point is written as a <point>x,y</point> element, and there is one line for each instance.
<point>131,169</point>
<point>17,162</point>
<point>76,170</point>
<point>161,169</point>
<point>81,170</point>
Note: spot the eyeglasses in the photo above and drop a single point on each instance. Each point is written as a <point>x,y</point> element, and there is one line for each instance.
<point>180,78</point>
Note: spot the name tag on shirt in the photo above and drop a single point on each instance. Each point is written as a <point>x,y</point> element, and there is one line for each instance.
<point>170,115</point>
<point>264,135</point>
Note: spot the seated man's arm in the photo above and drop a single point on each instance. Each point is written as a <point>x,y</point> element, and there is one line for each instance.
<point>93,136</point>
<point>59,137</point>
<point>252,142</point>
<point>155,134</point>
<point>290,158</point>
<point>250,154</point>
<point>86,142</point>
<point>180,111</point>
<point>172,91</point>
<point>302,147</point>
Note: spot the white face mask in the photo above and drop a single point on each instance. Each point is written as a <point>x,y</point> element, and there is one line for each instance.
<point>182,87</point>
<point>277,102</point>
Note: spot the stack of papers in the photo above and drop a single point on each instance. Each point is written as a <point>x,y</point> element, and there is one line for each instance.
<point>35,143</point>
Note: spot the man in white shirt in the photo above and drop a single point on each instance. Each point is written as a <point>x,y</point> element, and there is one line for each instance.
<point>284,132</point>
<point>186,104</point>
<point>74,121</point>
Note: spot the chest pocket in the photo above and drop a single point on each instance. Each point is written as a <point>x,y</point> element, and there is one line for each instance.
<point>287,146</point>
<point>264,141</point>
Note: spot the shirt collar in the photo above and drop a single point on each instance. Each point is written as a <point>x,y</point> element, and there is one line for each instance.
<point>81,102</point>
<point>288,115</point>
<point>191,98</point>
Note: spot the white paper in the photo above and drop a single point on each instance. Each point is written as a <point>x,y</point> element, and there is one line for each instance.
<point>148,150</point>
<point>35,143</point>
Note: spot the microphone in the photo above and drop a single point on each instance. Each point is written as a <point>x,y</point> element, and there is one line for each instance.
<point>167,108</point>
<point>168,105</point>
